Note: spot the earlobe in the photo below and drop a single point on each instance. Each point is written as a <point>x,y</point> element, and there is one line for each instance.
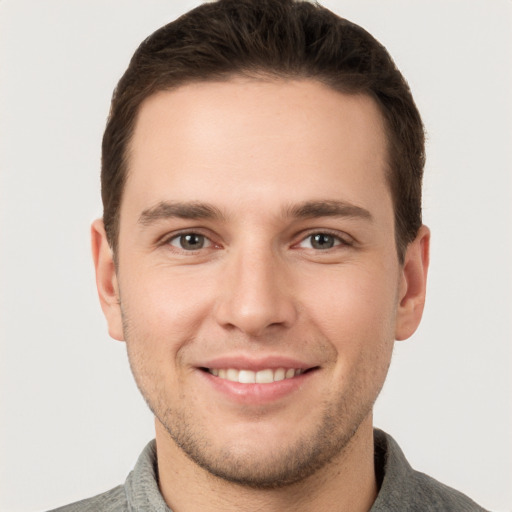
<point>413,285</point>
<point>106,280</point>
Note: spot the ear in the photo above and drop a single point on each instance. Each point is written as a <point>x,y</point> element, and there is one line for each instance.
<point>106,280</point>
<point>413,284</point>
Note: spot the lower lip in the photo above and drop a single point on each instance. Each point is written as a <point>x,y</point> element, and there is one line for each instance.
<point>257,394</point>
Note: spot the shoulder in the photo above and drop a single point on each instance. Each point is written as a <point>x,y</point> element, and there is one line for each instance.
<point>403,488</point>
<point>140,491</point>
<point>111,501</point>
<point>441,497</point>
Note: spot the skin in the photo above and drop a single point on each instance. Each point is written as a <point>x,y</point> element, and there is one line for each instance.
<point>275,163</point>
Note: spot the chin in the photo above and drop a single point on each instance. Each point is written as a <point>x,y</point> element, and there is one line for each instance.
<point>263,460</point>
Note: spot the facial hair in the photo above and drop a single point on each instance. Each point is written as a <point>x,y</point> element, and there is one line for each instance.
<point>261,467</point>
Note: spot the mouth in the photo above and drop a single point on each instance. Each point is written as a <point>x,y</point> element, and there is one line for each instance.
<point>264,376</point>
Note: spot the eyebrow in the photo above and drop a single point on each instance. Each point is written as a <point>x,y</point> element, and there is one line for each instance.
<point>199,210</point>
<point>175,209</point>
<point>327,208</point>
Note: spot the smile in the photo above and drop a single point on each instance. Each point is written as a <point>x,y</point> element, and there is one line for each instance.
<point>266,376</point>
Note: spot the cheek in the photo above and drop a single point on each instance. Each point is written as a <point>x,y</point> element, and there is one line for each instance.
<point>353,307</point>
<point>163,308</point>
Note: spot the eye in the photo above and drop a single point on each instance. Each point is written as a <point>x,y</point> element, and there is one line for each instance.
<point>190,241</point>
<point>320,241</point>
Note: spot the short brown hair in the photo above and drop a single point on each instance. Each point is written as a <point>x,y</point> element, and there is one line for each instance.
<point>279,39</point>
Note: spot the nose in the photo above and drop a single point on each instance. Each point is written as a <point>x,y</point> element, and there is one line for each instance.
<point>255,294</point>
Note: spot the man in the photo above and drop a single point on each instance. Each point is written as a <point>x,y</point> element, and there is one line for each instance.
<point>261,250</point>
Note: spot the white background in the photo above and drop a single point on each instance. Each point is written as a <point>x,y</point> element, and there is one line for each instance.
<point>71,420</point>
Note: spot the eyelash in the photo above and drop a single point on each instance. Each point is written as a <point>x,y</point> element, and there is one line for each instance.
<point>176,236</point>
<point>338,240</point>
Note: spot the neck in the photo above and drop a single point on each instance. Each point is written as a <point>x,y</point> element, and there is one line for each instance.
<point>346,483</point>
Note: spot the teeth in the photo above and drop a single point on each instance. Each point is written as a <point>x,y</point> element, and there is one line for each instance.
<point>279,374</point>
<point>244,376</point>
<point>232,374</point>
<point>264,376</point>
<point>249,377</point>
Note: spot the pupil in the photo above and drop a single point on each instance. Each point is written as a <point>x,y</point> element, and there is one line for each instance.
<point>322,241</point>
<point>192,241</point>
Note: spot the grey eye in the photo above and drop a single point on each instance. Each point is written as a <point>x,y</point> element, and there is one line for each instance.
<point>320,241</point>
<point>189,241</point>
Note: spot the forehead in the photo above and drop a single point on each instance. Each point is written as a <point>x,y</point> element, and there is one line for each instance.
<point>255,140</point>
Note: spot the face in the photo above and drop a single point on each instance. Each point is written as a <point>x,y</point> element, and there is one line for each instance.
<point>258,286</point>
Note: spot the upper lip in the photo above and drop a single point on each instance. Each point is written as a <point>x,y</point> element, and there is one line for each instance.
<point>256,364</point>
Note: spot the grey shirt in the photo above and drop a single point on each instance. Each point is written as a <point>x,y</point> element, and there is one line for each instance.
<point>401,488</point>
